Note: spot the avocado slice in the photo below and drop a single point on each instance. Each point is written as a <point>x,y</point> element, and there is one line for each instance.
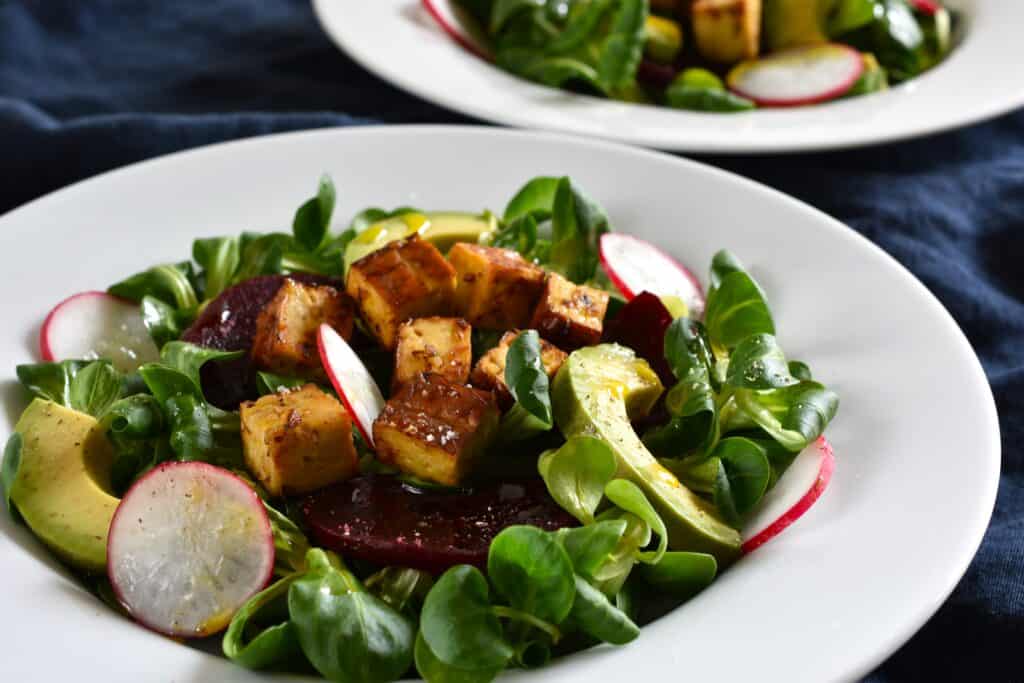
<point>62,488</point>
<point>443,229</point>
<point>791,23</point>
<point>597,391</point>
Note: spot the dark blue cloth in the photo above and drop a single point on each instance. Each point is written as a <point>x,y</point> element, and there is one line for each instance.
<point>88,86</point>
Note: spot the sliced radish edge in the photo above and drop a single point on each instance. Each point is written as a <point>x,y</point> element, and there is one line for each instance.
<point>621,256</point>
<point>346,371</point>
<point>800,62</point>
<point>127,354</point>
<point>803,504</point>
<point>444,17</point>
<point>929,7</point>
<point>129,516</point>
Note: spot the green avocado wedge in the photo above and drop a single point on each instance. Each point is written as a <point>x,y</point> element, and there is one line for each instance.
<point>792,23</point>
<point>598,390</point>
<point>442,229</point>
<point>63,483</point>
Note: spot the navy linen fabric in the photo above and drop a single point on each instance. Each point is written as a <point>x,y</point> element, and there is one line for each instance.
<point>89,86</point>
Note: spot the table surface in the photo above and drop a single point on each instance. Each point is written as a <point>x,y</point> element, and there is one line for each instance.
<point>86,87</point>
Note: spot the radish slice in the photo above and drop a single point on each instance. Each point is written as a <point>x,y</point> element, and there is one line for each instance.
<point>94,325</point>
<point>793,495</point>
<point>447,18</point>
<point>353,382</point>
<point>929,7</point>
<point>803,75</point>
<point>634,266</point>
<point>189,544</point>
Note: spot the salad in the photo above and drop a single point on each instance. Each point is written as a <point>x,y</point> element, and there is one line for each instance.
<point>433,442</point>
<point>706,55</point>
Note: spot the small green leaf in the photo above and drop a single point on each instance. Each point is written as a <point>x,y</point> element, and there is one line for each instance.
<point>189,359</point>
<point>400,587</point>
<point>576,475</point>
<point>9,469</point>
<point>262,254</point>
<point>795,415</point>
<point>526,378</point>
<point>800,370</point>
<point>290,545</point>
<point>743,476</point>
<point>95,388</point>
<point>272,646</point>
<point>164,322</point>
<point>51,381</point>
<point>346,633</point>
<point>736,306</point>
<point>191,435</point>
<point>589,547</point>
<point>531,570</point>
<point>681,574</point>
<point>164,382</point>
<point>757,362</point>
<point>433,670</point>
<point>313,218</point>
<point>219,258</point>
<point>170,283</point>
<point>535,199</point>
<point>596,616</point>
<point>628,496</point>
<point>458,625</point>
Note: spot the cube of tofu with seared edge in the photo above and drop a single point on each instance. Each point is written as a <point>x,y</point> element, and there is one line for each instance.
<point>497,288</point>
<point>727,31</point>
<point>435,344</point>
<point>570,315</point>
<point>489,372</point>
<point>435,429</point>
<point>298,441</point>
<point>285,341</point>
<point>402,280</point>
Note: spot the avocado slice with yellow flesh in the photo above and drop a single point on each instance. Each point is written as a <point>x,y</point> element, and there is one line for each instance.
<point>62,488</point>
<point>597,391</point>
<point>442,229</point>
<point>793,23</point>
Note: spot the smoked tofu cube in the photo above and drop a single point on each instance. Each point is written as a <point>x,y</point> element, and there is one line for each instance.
<point>435,429</point>
<point>286,329</point>
<point>497,288</point>
<point>570,315</point>
<point>298,441</point>
<point>435,344</point>
<point>489,372</point>
<point>727,31</point>
<point>402,280</point>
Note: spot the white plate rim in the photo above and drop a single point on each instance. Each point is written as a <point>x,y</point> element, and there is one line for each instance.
<point>440,72</point>
<point>986,500</point>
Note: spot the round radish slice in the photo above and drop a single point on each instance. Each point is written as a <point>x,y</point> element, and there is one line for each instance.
<point>635,265</point>
<point>188,545</point>
<point>94,325</point>
<point>447,18</point>
<point>803,75</point>
<point>929,7</point>
<point>793,495</point>
<point>353,382</point>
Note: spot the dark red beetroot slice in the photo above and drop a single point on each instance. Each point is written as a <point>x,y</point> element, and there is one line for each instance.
<point>641,325</point>
<point>378,519</point>
<point>655,74</point>
<point>228,323</point>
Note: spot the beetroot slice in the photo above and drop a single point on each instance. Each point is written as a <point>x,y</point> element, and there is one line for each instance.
<point>641,325</point>
<point>379,519</point>
<point>228,323</point>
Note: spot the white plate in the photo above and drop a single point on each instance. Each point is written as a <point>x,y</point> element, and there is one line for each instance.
<point>916,439</point>
<point>396,40</point>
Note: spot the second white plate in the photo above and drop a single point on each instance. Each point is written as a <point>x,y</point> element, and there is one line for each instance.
<point>398,41</point>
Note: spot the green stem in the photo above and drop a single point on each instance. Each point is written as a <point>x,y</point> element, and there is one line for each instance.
<point>515,615</point>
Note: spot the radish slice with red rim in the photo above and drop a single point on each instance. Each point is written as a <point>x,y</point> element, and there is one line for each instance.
<point>793,495</point>
<point>929,7</point>
<point>447,17</point>
<point>635,265</point>
<point>94,325</point>
<point>189,544</point>
<point>803,75</point>
<point>355,385</point>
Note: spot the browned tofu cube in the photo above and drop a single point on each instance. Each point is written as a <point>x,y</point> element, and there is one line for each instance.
<point>298,441</point>
<point>489,372</point>
<point>286,329</point>
<point>570,315</point>
<point>402,280</point>
<point>497,288</point>
<point>726,31</point>
<point>435,429</point>
<point>435,344</point>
